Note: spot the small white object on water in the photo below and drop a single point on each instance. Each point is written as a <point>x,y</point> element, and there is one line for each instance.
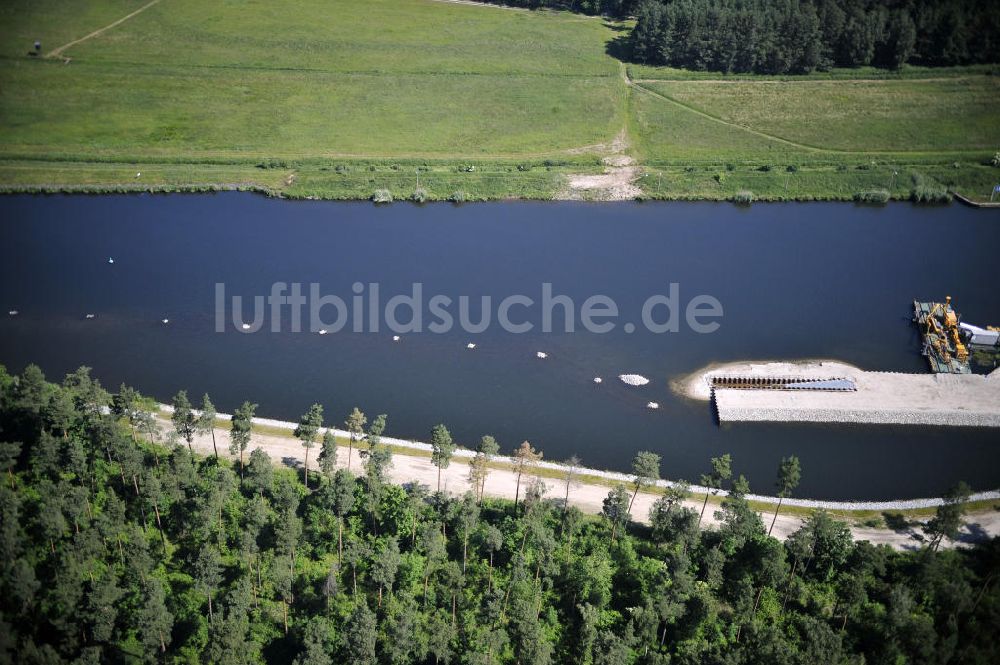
<point>110,260</point>
<point>137,175</point>
<point>652,405</point>
<point>12,312</point>
<point>89,316</point>
<point>322,331</point>
<point>165,321</point>
<point>542,354</point>
<point>246,326</point>
<point>470,345</point>
<point>395,338</point>
<point>634,379</point>
<point>598,379</point>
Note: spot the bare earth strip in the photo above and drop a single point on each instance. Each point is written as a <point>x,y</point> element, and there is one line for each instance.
<point>586,496</point>
<point>57,52</point>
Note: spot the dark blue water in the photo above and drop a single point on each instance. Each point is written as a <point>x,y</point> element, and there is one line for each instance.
<point>795,280</point>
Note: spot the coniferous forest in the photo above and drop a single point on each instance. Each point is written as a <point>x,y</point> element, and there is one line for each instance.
<point>119,544</point>
<point>800,36</point>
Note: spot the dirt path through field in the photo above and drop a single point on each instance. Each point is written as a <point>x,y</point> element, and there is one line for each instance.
<point>621,173</point>
<point>58,52</point>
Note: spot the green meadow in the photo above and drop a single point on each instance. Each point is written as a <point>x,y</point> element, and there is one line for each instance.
<point>338,98</point>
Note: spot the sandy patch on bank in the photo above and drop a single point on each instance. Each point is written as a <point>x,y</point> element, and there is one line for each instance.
<point>616,183</point>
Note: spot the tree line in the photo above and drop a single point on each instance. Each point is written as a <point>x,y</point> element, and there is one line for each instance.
<point>119,544</point>
<point>800,36</point>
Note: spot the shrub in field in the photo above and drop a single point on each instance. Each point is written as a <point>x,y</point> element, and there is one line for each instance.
<point>765,168</point>
<point>791,168</point>
<point>743,197</point>
<point>457,197</point>
<point>872,196</point>
<point>719,177</point>
<point>272,164</point>
<point>524,167</point>
<point>419,195</point>
<point>382,196</point>
<point>996,160</point>
<point>342,168</point>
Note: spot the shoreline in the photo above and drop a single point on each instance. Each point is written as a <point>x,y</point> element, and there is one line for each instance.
<point>126,187</point>
<point>422,449</point>
<point>560,177</point>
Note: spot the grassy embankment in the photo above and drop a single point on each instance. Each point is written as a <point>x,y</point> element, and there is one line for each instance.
<point>339,99</point>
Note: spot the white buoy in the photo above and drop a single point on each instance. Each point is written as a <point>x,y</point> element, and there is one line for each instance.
<point>542,355</point>
<point>598,379</point>
<point>12,312</point>
<point>89,316</point>
<point>634,379</point>
<point>165,321</point>
<point>110,260</point>
<point>652,405</point>
<point>470,345</point>
<point>395,338</point>
<point>246,326</point>
<point>138,175</point>
<point>322,331</point>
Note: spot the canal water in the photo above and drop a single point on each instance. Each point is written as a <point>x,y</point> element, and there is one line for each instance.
<point>812,280</point>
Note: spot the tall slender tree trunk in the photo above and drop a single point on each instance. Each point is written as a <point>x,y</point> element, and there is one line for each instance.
<point>350,450</point>
<point>305,471</point>
<point>340,540</point>
<point>982,592</point>
<point>756,602</point>
<point>788,587</point>
<point>703,506</point>
<point>142,510</point>
<point>214,447</point>
<point>439,479</point>
<point>775,518</point>
<point>631,501</point>
<point>159,526</point>
<point>489,587</point>
<point>517,491</point>
<point>211,615</point>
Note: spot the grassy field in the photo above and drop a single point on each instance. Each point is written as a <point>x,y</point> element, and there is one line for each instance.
<point>338,98</point>
<point>908,115</point>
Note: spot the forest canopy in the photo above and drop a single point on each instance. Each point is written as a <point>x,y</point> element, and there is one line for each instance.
<point>119,544</point>
<point>799,36</point>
